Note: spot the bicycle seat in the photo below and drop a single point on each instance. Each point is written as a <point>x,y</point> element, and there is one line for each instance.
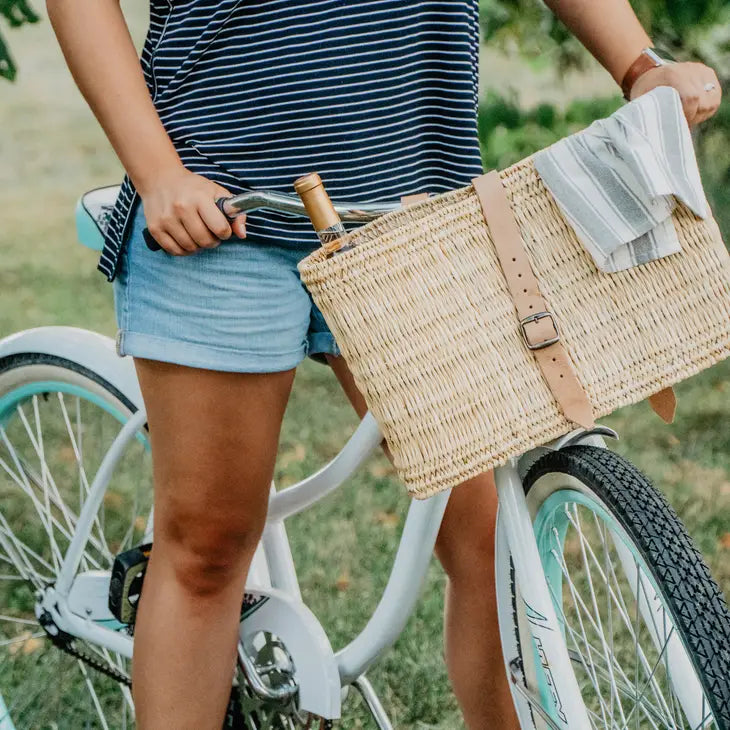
<point>92,215</point>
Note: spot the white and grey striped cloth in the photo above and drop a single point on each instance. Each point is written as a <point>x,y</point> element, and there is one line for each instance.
<point>617,181</point>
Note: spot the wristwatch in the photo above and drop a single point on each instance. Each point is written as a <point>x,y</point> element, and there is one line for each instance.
<point>648,59</point>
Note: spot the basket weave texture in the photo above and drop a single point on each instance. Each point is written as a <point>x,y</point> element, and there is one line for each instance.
<point>421,311</point>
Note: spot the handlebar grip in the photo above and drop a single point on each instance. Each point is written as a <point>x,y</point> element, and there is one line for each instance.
<point>152,244</point>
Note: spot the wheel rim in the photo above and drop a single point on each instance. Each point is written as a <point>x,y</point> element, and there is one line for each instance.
<point>53,435</point>
<point>629,658</point>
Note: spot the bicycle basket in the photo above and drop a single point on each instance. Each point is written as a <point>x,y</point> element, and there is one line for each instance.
<point>423,314</point>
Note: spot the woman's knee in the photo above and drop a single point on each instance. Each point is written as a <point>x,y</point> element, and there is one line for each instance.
<point>466,541</point>
<point>206,543</point>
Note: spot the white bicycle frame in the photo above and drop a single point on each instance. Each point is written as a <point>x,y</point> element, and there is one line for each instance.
<point>406,578</point>
<point>410,565</point>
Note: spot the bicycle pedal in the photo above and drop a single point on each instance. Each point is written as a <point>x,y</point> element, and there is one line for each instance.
<point>125,586</point>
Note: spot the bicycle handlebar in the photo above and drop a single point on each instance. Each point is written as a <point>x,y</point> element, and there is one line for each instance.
<point>353,212</point>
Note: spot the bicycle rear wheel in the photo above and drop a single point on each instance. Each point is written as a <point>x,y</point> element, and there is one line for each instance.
<point>647,628</point>
<point>57,420</point>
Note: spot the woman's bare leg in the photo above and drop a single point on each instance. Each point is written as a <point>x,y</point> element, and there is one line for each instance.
<point>214,438</point>
<point>465,548</point>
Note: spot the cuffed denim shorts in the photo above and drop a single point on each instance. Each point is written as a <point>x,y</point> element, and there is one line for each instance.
<point>240,307</point>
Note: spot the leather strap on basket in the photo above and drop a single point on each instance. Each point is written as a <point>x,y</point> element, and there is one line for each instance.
<point>538,326</point>
<point>407,200</point>
<point>664,404</point>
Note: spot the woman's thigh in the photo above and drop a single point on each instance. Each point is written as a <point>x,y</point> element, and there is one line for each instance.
<point>214,437</point>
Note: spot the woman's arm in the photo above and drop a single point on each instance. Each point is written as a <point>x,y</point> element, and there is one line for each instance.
<point>179,206</point>
<point>610,30</point>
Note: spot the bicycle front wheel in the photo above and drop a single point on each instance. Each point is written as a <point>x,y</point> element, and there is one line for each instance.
<point>647,628</point>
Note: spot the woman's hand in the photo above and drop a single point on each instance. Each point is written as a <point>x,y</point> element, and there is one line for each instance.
<point>692,81</point>
<point>181,213</point>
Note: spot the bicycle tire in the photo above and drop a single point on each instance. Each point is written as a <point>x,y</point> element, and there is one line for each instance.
<point>693,599</point>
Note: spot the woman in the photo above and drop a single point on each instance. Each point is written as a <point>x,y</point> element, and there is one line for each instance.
<point>380,98</point>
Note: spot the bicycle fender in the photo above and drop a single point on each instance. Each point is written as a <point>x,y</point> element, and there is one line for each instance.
<point>88,349</point>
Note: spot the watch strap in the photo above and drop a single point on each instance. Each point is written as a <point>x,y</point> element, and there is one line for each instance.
<point>645,62</point>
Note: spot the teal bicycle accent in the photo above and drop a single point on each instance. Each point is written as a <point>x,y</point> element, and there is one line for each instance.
<point>6,722</point>
<point>551,526</point>
<point>88,232</point>
<point>24,393</point>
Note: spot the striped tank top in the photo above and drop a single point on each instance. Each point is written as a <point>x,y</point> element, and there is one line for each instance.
<point>377,96</point>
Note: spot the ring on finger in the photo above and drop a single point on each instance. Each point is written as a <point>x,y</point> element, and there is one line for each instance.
<point>711,86</point>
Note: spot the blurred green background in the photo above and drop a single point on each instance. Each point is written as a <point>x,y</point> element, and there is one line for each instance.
<point>537,85</point>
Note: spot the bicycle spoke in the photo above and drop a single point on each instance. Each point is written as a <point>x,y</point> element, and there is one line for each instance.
<point>641,658</point>
<point>100,544</point>
<point>23,639</point>
<point>577,526</point>
<point>614,623</point>
<point>92,693</point>
<point>17,620</point>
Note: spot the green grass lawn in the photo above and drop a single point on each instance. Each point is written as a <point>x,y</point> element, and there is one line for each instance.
<point>51,150</point>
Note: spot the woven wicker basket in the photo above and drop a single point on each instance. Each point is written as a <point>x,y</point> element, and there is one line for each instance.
<point>421,311</point>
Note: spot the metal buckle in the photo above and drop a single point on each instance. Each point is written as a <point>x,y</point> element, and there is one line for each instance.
<point>535,318</point>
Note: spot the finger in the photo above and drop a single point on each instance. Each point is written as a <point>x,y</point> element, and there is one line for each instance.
<point>705,114</point>
<point>711,100</point>
<point>181,236</point>
<point>239,225</point>
<point>214,220</point>
<point>167,242</point>
<point>198,230</point>
<point>691,104</point>
<point>708,105</point>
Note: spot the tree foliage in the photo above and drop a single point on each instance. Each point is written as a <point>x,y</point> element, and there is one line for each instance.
<point>691,29</point>
<point>698,29</point>
<point>15,12</point>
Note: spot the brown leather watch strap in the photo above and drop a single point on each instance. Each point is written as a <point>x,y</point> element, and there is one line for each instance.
<point>538,326</point>
<point>638,68</point>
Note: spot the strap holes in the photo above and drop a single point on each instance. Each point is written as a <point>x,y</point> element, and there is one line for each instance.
<point>530,307</point>
<point>555,359</point>
<point>514,259</point>
<point>561,375</point>
<point>519,276</point>
<point>524,291</point>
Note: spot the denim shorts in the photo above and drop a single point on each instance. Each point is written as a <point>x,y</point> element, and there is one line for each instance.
<point>240,307</point>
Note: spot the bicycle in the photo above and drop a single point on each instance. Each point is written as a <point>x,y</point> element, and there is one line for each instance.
<point>608,616</point>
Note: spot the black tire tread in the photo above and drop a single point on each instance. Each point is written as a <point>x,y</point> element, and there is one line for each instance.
<point>695,600</point>
<point>28,359</point>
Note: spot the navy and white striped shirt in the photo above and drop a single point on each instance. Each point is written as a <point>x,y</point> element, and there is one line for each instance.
<point>377,96</point>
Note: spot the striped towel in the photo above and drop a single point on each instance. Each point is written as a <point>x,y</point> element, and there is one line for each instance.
<point>617,182</point>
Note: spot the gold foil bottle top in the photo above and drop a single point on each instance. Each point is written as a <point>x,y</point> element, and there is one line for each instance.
<point>316,201</point>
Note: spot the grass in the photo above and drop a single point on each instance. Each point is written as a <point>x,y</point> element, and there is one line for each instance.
<point>51,150</point>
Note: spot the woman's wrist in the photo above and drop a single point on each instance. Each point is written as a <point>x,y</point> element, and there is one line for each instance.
<point>155,174</point>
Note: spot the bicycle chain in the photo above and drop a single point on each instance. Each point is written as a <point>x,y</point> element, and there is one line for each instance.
<point>100,666</point>
<point>65,642</point>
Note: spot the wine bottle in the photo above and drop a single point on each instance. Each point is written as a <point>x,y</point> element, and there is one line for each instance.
<point>322,213</point>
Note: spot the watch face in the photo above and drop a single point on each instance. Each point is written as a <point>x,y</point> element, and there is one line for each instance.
<point>660,56</point>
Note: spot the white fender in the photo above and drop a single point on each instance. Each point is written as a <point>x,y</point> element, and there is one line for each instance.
<point>83,347</point>
<point>306,641</point>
